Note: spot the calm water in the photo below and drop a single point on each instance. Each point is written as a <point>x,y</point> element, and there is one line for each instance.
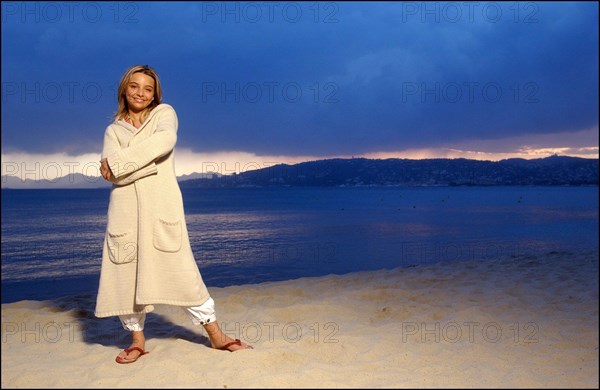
<point>52,239</point>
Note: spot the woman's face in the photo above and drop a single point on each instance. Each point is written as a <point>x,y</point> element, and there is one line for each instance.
<point>139,91</point>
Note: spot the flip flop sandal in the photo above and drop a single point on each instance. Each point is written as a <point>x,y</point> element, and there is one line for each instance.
<point>121,360</point>
<point>235,342</point>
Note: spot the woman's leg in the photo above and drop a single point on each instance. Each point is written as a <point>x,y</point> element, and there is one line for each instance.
<point>205,315</point>
<point>135,324</point>
<point>219,340</point>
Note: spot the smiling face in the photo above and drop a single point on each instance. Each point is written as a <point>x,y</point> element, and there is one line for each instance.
<point>139,92</point>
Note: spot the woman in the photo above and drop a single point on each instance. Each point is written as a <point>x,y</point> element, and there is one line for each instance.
<point>147,258</point>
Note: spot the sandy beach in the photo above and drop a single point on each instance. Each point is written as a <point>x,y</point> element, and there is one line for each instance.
<point>520,322</point>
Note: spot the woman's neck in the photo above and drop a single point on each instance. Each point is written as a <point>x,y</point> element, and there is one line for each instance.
<point>136,117</point>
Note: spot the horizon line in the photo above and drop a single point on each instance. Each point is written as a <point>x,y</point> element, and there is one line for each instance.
<point>57,178</point>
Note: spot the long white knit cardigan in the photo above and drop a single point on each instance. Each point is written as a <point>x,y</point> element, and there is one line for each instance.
<point>147,258</point>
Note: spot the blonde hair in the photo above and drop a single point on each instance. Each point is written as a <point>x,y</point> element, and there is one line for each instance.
<point>123,109</point>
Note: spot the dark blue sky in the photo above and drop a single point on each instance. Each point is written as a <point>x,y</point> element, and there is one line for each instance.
<point>317,78</point>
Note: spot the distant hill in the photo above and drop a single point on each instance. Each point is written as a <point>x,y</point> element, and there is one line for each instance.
<point>77,180</point>
<point>554,170</point>
<point>73,180</point>
<point>196,175</point>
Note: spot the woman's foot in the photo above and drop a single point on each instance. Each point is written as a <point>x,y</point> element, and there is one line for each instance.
<point>134,351</point>
<point>219,340</point>
<point>232,345</point>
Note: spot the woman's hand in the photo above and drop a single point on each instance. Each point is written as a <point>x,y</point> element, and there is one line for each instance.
<point>105,169</point>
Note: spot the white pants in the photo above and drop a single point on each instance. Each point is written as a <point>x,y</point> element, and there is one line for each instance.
<point>200,315</point>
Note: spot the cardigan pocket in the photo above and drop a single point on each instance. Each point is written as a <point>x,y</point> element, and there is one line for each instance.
<point>121,248</point>
<point>167,235</point>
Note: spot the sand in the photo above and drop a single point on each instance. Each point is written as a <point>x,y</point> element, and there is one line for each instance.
<point>519,322</point>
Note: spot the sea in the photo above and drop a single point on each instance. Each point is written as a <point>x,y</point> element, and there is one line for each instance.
<point>52,238</point>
